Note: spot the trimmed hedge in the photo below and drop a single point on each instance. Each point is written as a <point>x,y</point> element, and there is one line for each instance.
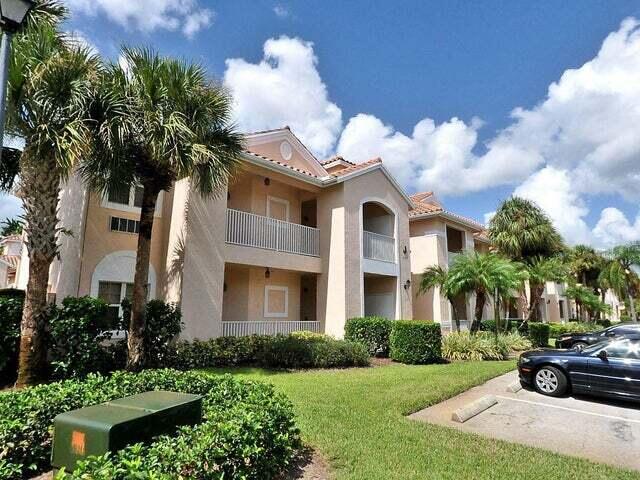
<point>415,342</point>
<point>539,334</point>
<point>10,316</point>
<point>372,332</point>
<point>248,429</point>
<point>296,350</point>
<point>557,329</point>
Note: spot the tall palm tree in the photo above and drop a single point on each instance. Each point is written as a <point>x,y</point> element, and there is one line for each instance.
<point>540,271</point>
<point>10,226</point>
<point>522,231</point>
<point>619,273</point>
<point>437,277</point>
<point>482,274</point>
<point>158,120</point>
<point>584,263</point>
<point>588,303</point>
<point>49,79</point>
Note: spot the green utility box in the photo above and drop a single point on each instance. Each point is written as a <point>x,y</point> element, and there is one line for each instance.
<point>113,425</point>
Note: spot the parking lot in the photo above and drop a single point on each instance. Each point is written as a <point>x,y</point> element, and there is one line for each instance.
<point>600,430</point>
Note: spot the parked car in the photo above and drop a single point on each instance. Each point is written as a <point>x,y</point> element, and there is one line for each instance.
<point>609,368</point>
<point>582,340</point>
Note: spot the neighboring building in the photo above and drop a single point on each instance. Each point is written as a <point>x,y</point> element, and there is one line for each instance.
<point>10,255</point>
<point>291,244</point>
<point>437,237</point>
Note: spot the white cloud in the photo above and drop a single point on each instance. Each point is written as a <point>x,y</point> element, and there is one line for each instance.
<point>81,39</point>
<point>149,15</point>
<point>281,11</point>
<point>285,88</point>
<point>614,228</point>
<point>10,206</point>
<point>553,191</point>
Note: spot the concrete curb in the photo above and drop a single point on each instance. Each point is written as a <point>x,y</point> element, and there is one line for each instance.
<point>515,387</point>
<point>471,410</point>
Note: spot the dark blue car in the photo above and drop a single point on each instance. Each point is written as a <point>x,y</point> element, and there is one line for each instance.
<point>609,369</point>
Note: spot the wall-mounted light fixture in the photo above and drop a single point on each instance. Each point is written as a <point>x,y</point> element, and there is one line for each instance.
<point>407,284</point>
<point>404,250</point>
<point>267,181</point>
<point>267,273</point>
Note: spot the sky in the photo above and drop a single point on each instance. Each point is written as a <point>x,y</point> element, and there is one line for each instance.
<point>475,101</point>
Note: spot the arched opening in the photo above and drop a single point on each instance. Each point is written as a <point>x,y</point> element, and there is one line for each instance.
<point>112,281</point>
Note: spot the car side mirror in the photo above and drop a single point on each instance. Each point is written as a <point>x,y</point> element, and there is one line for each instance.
<point>610,334</point>
<point>602,355</point>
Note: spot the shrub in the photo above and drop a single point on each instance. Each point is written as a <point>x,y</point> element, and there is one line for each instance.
<point>296,350</point>
<point>372,332</point>
<point>248,429</point>
<point>164,324</point>
<point>557,329</point>
<point>415,342</point>
<point>481,346</point>
<point>77,330</point>
<point>291,351</point>
<point>10,316</point>
<point>539,334</point>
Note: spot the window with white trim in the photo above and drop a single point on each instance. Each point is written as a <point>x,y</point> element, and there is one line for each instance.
<point>129,201</point>
<point>113,293</point>
<point>125,225</point>
<point>276,301</point>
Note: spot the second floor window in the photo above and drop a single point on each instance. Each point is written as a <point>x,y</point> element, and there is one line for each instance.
<point>125,225</point>
<point>131,198</point>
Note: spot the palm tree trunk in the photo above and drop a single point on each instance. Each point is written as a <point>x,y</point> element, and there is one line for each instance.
<point>454,312</point>
<point>536,295</point>
<point>632,307</point>
<point>137,324</point>
<point>480,301</point>
<point>40,203</point>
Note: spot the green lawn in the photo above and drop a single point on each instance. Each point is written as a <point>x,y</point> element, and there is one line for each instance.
<point>356,418</point>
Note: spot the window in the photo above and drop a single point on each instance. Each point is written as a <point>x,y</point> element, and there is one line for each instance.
<point>137,197</point>
<point>625,349</point>
<point>126,225</point>
<point>561,308</point>
<point>113,293</point>
<point>276,301</point>
<point>121,197</point>
<point>129,200</point>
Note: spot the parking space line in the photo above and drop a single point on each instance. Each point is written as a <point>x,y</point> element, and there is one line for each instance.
<point>575,410</point>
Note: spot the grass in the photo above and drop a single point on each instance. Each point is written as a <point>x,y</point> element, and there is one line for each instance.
<point>356,418</point>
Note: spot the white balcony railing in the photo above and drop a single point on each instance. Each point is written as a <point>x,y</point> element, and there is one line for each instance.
<point>242,329</point>
<point>376,246</point>
<point>251,230</point>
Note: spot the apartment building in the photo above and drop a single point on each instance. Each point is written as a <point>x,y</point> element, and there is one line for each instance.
<point>292,243</point>
<point>10,254</point>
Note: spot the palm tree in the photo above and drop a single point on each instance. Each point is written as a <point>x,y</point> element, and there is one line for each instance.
<point>10,226</point>
<point>49,79</point>
<point>522,231</point>
<point>584,263</point>
<point>587,302</point>
<point>158,120</point>
<point>437,277</point>
<point>619,273</point>
<point>540,271</point>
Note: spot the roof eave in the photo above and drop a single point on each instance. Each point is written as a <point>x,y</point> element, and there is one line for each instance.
<point>449,216</point>
<point>377,166</point>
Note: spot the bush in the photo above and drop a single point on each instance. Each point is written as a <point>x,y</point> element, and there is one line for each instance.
<point>296,350</point>
<point>464,346</point>
<point>164,324</point>
<point>292,351</point>
<point>539,334</point>
<point>77,331</point>
<point>557,329</point>
<point>415,342</point>
<point>372,332</point>
<point>10,316</point>
<point>248,429</point>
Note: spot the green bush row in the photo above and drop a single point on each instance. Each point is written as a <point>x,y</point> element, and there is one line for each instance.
<point>482,346</point>
<point>10,316</point>
<point>415,342</point>
<point>372,332</point>
<point>557,329</point>
<point>539,334</point>
<point>248,429</point>
<point>296,350</point>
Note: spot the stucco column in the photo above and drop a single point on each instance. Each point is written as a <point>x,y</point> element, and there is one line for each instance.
<point>176,243</point>
<point>203,269</point>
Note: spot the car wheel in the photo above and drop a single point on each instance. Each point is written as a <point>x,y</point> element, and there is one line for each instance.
<point>550,381</point>
<point>579,346</point>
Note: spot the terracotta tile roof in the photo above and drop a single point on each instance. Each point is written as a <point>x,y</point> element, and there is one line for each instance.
<point>423,207</point>
<point>271,130</point>
<point>336,158</point>
<point>282,164</point>
<point>12,260</point>
<point>356,167</point>
<point>482,236</point>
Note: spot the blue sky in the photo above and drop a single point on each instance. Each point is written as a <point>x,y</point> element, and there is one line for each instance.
<point>430,86</point>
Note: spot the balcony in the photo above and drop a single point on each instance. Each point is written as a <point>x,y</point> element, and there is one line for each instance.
<point>251,230</point>
<point>376,246</point>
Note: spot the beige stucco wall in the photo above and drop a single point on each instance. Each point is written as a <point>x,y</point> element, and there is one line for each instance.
<point>100,241</point>
<point>272,150</point>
